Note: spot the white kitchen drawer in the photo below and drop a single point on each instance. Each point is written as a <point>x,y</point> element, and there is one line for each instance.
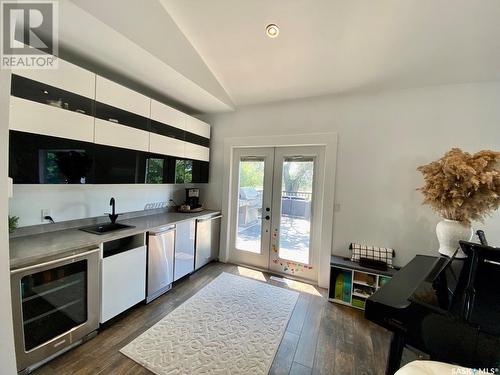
<point>195,126</point>
<point>160,144</point>
<point>123,282</point>
<point>32,117</point>
<point>167,115</point>
<point>118,96</point>
<point>111,134</point>
<point>197,152</point>
<point>67,77</point>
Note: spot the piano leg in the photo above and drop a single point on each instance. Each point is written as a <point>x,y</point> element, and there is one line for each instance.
<point>395,353</point>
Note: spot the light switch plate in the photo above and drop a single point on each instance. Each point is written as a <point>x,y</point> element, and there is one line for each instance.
<point>10,185</point>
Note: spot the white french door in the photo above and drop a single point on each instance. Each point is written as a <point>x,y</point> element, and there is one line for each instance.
<point>251,201</point>
<point>275,197</point>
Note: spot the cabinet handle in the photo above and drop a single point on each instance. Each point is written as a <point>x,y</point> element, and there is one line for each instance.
<point>210,218</point>
<point>80,111</point>
<point>55,261</point>
<point>113,120</point>
<point>162,230</point>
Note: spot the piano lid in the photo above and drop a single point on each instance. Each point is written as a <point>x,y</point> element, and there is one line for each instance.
<point>465,288</point>
<point>396,292</point>
<point>442,288</point>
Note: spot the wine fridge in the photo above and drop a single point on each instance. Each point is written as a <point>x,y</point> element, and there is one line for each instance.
<point>55,306</point>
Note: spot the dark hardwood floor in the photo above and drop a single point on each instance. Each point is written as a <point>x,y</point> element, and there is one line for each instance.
<point>321,337</point>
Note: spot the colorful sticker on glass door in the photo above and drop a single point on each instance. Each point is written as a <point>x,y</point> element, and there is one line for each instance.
<point>292,267</point>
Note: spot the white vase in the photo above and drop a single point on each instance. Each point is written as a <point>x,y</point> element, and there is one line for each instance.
<point>449,232</point>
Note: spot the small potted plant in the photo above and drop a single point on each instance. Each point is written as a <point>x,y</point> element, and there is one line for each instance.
<point>13,220</point>
<point>462,188</point>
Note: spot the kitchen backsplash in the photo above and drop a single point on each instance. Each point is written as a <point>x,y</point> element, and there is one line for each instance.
<point>70,202</point>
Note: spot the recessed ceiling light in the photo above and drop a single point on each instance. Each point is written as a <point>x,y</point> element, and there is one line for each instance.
<point>272,30</point>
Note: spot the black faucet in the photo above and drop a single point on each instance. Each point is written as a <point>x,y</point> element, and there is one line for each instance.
<point>113,215</point>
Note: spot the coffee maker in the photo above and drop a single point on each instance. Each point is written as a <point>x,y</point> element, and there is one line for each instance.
<point>193,198</point>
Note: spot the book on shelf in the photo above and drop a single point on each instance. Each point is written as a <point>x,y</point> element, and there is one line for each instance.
<point>339,286</point>
<point>347,286</point>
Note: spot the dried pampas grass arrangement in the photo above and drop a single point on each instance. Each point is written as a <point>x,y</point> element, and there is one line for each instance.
<point>461,186</point>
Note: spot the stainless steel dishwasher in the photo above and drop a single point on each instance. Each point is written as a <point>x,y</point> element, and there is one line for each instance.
<point>161,245</point>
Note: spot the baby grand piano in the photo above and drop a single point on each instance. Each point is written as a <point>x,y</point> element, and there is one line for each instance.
<point>448,308</point>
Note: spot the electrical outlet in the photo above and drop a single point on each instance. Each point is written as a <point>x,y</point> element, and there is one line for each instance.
<point>45,212</point>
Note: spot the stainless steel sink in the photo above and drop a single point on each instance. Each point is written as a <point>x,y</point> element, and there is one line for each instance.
<point>106,228</point>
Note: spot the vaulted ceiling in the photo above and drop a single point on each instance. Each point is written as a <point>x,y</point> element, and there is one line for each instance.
<point>214,55</point>
<point>340,46</point>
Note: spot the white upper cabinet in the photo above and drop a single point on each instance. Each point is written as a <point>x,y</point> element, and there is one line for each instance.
<point>111,134</point>
<point>67,77</point>
<point>32,117</point>
<point>109,92</point>
<point>197,152</point>
<point>162,145</point>
<point>163,113</point>
<point>195,126</point>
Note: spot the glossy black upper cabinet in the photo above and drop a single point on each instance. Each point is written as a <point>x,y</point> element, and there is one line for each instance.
<point>197,139</point>
<point>167,130</point>
<point>160,169</point>
<point>26,88</point>
<point>39,159</point>
<point>115,165</point>
<point>200,171</point>
<point>185,171</point>
<point>120,116</point>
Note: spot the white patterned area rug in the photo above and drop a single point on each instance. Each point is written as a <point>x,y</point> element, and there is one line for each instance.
<point>233,325</point>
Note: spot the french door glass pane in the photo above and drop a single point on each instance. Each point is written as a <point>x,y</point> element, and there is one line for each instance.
<point>251,184</point>
<point>296,204</point>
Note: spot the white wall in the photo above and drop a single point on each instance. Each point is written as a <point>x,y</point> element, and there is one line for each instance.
<point>382,139</point>
<point>68,202</point>
<point>7,354</point>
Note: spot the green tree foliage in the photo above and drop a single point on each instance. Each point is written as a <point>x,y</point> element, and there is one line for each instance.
<point>252,174</point>
<point>155,171</point>
<point>297,176</point>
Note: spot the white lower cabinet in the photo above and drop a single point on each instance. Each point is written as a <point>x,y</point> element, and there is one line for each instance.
<point>123,282</point>
<point>111,134</point>
<point>184,248</point>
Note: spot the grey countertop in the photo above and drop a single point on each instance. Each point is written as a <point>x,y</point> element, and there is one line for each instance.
<point>38,248</point>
